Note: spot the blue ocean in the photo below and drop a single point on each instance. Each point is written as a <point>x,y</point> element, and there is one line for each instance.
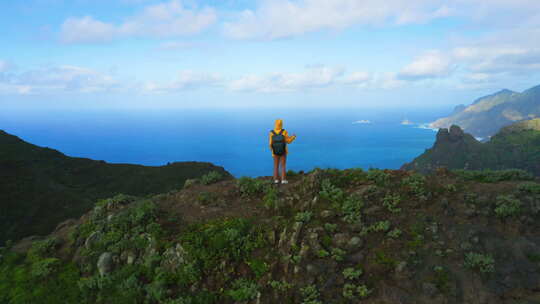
<point>236,139</point>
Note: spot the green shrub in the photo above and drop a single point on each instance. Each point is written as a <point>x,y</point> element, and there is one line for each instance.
<point>351,209</point>
<point>115,201</point>
<point>310,295</point>
<point>351,273</point>
<point>394,233</point>
<point>330,227</point>
<point>207,244</point>
<point>190,182</point>
<point>351,291</point>
<point>251,186</point>
<point>450,188</point>
<point>258,267</point>
<point>480,262</point>
<point>507,205</point>
<point>338,254</point>
<point>211,177</point>
<point>42,248</point>
<point>529,187</point>
<point>270,199</point>
<point>493,176</point>
<point>415,184</point>
<point>281,286</point>
<point>243,290</point>
<point>380,226</point>
<point>379,177</point>
<point>322,253</point>
<point>303,216</point>
<point>331,193</point>
<point>391,201</point>
<point>37,280</point>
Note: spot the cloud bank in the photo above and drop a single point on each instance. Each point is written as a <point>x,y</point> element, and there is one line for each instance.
<point>165,20</point>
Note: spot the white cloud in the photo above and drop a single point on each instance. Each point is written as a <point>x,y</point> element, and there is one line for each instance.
<point>285,18</point>
<point>186,80</point>
<point>432,64</point>
<point>178,46</point>
<point>165,20</point>
<point>63,78</point>
<point>312,77</point>
<point>5,66</point>
<point>357,78</point>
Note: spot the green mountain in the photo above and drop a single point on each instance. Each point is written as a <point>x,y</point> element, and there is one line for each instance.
<point>40,187</point>
<point>514,146</point>
<point>329,236</point>
<point>488,114</point>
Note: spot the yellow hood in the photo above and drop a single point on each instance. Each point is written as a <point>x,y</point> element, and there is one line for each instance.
<point>278,125</point>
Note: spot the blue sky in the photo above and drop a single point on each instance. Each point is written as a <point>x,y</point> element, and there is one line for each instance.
<point>236,53</point>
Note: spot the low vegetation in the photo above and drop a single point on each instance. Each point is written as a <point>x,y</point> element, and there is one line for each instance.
<point>330,236</point>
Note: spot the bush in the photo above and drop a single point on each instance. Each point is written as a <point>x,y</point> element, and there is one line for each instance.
<point>310,295</point>
<point>493,176</point>
<point>351,209</point>
<point>243,290</point>
<point>331,193</point>
<point>379,177</point>
<point>391,201</point>
<point>211,177</point>
<point>529,187</point>
<point>251,186</point>
<point>415,183</point>
<point>481,262</point>
<point>351,291</point>
<point>270,199</point>
<point>351,273</point>
<point>303,216</point>
<point>507,205</point>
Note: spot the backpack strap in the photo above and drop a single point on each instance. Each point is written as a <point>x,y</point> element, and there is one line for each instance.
<point>272,131</point>
<point>281,132</point>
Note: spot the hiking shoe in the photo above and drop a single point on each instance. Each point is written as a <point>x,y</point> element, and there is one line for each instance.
<point>276,181</point>
<point>284,181</point>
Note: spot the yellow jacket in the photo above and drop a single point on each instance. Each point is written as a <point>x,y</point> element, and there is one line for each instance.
<point>277,128</point>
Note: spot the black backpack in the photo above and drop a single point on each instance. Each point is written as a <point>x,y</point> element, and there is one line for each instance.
<point>278,142</point>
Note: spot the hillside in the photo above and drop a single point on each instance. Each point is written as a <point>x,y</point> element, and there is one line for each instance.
<point>515,146</point>
<point>40,187</point>
<point>488,114</point>
<point>330,236</point>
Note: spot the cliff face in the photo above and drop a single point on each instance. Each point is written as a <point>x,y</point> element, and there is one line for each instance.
<point>329,236</point>
<point>488,114</point>
<point>515,146</point>
<point>40,187</point>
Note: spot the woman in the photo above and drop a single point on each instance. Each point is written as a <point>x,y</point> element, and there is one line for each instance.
<point>279,138</point>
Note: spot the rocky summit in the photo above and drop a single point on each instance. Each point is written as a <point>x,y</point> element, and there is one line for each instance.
<point>329,236</point>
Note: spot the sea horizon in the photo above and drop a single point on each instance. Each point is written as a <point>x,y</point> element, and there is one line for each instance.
<point>235,139</point>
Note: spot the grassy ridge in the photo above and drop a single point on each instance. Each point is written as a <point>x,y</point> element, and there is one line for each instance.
<point>330,236</point>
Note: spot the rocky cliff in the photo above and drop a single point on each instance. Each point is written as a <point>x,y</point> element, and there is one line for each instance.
<point>515,146</point>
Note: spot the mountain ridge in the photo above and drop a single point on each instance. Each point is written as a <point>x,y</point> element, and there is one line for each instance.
<point>486,115</point>
<point>42,186</point>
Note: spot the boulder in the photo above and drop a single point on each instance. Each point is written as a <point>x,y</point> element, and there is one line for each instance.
<point>105,263</point>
